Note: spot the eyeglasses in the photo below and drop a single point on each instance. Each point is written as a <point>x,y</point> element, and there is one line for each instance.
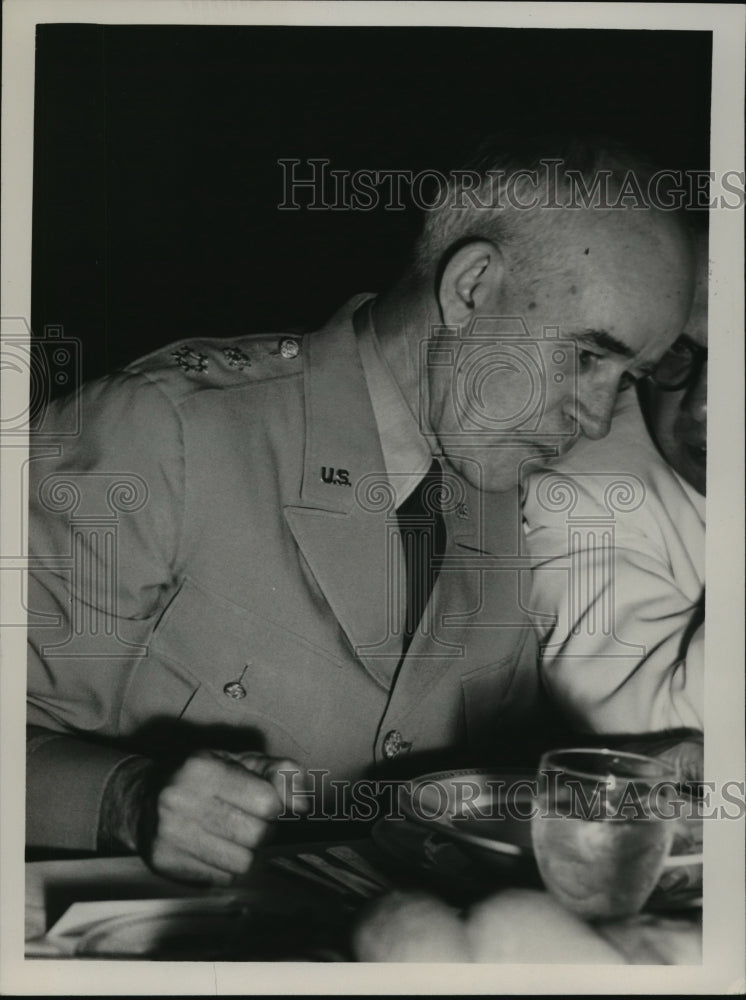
<point>680,365</point>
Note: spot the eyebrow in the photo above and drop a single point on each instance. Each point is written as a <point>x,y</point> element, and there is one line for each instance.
<point>608,342</point>
<point>689,342</point>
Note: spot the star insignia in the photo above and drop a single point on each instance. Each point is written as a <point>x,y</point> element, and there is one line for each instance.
<point>237,358</point>
<point>189,360</point>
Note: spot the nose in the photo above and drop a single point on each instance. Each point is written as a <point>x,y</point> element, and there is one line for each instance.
<point>695,402</point>
<point>595,409</point>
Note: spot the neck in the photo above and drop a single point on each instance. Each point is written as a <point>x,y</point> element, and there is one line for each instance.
<point>403,318</point>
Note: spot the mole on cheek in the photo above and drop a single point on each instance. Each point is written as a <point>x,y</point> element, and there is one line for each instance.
<point>587,251</point>
<point>532,305</point>
<point>573,290</point>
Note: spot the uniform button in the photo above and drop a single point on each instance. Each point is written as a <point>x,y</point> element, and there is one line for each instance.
<point>289,347</point>
<point>393,744</point>
<point>234,690</point>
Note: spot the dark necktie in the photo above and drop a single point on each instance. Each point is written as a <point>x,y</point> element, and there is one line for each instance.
<point>423,535</point>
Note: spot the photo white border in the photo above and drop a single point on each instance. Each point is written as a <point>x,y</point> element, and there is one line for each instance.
<point>723,960</point>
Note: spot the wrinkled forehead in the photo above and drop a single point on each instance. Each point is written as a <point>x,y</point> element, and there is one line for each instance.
<point>648,245</point>
<point>621,222</point>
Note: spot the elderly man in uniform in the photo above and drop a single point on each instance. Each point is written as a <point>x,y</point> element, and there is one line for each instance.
<point>251,615</point>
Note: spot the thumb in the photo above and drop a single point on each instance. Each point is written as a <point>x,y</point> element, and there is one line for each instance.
<point>289,779</point>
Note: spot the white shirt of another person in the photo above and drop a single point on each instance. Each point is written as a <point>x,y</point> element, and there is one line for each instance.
<point>618,539</point>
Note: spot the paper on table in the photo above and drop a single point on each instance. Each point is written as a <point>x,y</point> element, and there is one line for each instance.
<point>82,917</point>
<point>350,857</point>
<point>359,885</point>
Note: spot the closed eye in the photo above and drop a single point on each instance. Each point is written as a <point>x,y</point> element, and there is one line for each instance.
<point>589,361</point>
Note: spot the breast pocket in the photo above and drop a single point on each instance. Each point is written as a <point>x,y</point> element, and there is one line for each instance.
<point>237,679</point>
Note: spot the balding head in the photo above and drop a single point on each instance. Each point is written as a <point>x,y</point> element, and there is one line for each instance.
<point>511,190</point>
<point>608,276</point>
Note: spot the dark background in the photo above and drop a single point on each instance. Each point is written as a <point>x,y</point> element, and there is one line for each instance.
<point>156,181</point>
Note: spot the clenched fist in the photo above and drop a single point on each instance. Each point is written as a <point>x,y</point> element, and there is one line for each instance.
<point>202,822</point>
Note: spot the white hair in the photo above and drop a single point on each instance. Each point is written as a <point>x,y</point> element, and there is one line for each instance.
<point>486,198</point>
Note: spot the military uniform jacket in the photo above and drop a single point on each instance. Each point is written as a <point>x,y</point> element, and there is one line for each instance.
<point>219,565</point>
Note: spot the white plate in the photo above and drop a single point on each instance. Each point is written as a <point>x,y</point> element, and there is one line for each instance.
<point>481,808</point>
<point>491,810</point>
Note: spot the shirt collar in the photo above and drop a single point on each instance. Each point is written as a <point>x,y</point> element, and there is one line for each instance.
<point>406,453</point>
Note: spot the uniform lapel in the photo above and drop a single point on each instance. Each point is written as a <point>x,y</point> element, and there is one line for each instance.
<point>347,530</point>
<point>343,523</point>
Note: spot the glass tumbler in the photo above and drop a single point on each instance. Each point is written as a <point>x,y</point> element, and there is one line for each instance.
<point>602,829</point>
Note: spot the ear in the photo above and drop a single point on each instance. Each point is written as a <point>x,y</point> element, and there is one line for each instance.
<point>471,282</point>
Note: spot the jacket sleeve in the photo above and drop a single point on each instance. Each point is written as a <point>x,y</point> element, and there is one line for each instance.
<point>105,516</point>
<point>625,653</point>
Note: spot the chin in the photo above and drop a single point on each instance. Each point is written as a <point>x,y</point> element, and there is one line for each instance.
<point>497,484</point>
<point>490,476</point>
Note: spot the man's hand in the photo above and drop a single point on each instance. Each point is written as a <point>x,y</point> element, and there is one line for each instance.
<point>681,749</point>
<point>202,822</point>
<point>686,758</point>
